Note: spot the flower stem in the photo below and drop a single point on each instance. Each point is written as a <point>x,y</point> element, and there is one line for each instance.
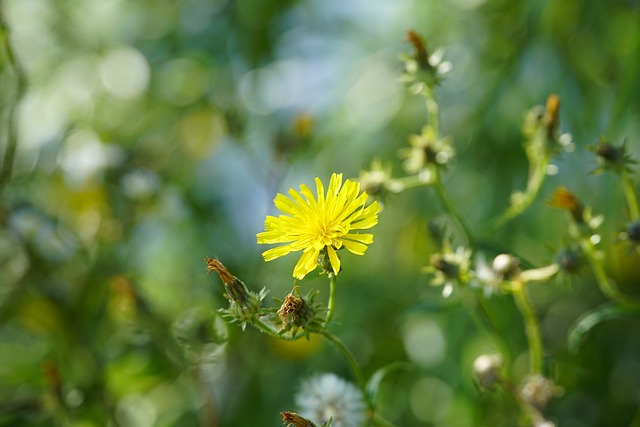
<point>630,195</point>
<point>605,285</point>
<point>432,111</point>
<point>11,126</point>
<point>532,328</point>
<point>516,208</point>
<point>449,207</point>
<point>412,181</point>
<point>332,297</point>
<point>379,420</point>
<point>351,361</point>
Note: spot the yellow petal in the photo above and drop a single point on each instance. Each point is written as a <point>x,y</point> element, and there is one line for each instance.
<point>333,259</point>
<point>355,247</point>
<point>306,264</point>
<point>274,253</point>
<point>286,205</point>
<point>362,238</point>
<point>320,192</point>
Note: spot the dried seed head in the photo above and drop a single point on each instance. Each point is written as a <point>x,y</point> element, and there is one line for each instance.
<point>293,310</point>
<point>537,391</point>
<point>292,419</point>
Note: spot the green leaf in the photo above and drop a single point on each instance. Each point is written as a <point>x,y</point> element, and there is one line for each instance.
<point>608,311</point>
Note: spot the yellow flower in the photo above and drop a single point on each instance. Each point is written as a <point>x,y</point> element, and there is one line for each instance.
<point>323,224</point>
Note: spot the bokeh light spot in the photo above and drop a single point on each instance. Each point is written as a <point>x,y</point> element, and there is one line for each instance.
<point>424,341</point>
<point>125,72</point>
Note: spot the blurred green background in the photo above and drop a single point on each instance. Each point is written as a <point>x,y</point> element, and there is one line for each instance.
<point>153,133</point>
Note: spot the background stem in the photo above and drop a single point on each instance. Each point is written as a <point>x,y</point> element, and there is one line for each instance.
<point>532,329</point>
<point>630,195</point>
<point>12,133</point>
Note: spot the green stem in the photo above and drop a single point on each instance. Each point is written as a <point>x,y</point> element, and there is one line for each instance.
<point>351,361</point>
<point>449,207</point>
<point>517,207</point>
<point>399,185</point>
<point>532,328</point>
<point>605,285</point>
<point>432,111</point>
<point>12,133</point>
<point>482,311</point>
<point>635,422</point>
<point>630,195</point>
<point>332,297</point>
<point>379,420</point>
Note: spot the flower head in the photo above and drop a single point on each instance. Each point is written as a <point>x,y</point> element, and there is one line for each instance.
<point>377,181</point>
<point>537,391</point>
<point>427,151</point>
<point>492,278</point>
<point>423,71</point>
<point>632,232</point>
<point>298,311</point>
<point>582,216</point>
<point>320,226</point>
<point>449,268</point>
<point>612,157</point>
<point>327,397</point>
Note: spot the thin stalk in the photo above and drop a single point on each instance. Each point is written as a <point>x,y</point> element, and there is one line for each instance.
<point>534,184</point>
<point>630,195</point>
<point>605,285</point>
<point>351,361</point>
<point>379,420</point>
<point>532,328</point>
<point>12,133</point>
<point>398,185</point>
<point>635,422</point>
<point>443,195</point>
<point>332,297</point>
<point>432,111</point>
<point>433,120</point>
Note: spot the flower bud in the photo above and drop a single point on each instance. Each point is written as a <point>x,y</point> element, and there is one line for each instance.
<point>506,266</point>
<point>236,289</point>
<point>487,370</point>
<point>564,199</point>
<point>612,157</point>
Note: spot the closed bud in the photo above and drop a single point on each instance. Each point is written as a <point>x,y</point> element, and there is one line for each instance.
<point>487,370</point>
